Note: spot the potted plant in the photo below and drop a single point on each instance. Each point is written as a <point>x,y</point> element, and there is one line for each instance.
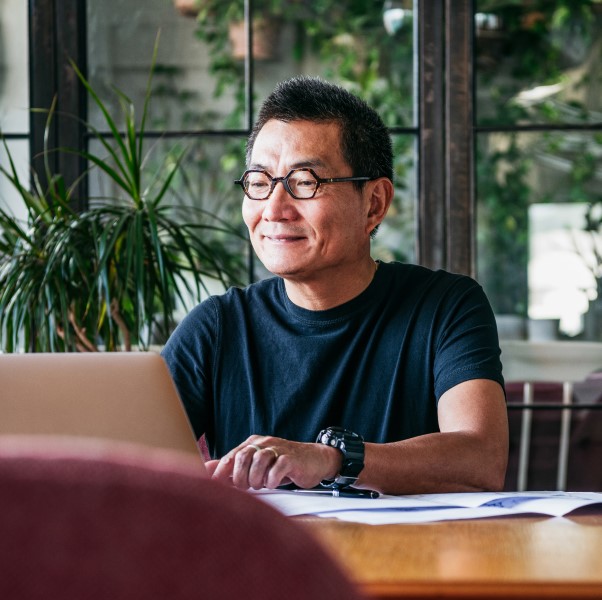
<point>222,25</point>
<point>266,38</point>
<point>111,276</point>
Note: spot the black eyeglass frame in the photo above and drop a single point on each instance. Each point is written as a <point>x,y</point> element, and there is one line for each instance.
<point>284,180</point>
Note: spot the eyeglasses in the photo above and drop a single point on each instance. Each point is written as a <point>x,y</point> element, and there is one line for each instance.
<point>301,184</point>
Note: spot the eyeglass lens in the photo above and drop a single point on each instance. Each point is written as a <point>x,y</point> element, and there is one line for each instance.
<point>300,183</point>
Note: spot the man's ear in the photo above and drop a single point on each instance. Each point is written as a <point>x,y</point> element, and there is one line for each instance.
<point>380,195</point>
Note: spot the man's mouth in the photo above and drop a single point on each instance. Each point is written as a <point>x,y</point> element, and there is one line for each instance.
<point>283,238</point>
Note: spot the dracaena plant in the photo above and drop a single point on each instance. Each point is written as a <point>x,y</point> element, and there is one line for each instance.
<point>113,275</point>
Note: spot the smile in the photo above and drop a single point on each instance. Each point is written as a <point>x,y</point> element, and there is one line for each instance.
<point>283,239</point>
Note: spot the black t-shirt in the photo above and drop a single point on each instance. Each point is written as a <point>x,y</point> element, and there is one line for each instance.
<point>250,361</point>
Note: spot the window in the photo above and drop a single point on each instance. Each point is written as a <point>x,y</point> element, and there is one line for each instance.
<point>494,109</point>
<point>539,165</point>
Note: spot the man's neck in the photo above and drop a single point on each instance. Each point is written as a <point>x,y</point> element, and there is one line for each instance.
<point>327,290</point>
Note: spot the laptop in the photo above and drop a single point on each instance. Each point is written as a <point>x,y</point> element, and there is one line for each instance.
<point>123,396</point>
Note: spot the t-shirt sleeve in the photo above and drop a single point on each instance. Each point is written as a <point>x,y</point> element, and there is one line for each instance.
<point>467,342</point>
<point>189,354</point>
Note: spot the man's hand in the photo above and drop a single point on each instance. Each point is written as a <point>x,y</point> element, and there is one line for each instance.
<point>265,461</point>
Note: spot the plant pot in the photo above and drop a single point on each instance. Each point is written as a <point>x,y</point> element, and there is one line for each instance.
<point>592,321</point>
<point>187,8</point>
<point>542,330</point>
<point>266,38</point>
<point>511,327</point>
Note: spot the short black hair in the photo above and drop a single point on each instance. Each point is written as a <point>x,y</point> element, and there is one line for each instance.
<point>365,140</point>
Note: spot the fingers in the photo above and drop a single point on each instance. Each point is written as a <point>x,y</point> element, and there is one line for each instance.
<point>272,449</point>
<point>211,465</point>
<point>265,461</point>
<point>261,463</point>
<point>247,465</point>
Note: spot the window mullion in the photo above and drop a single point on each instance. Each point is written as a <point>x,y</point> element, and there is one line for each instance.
<point>431,206</point>
<point>459,139</point>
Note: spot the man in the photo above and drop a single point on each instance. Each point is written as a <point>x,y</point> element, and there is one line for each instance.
<point>285,377</point>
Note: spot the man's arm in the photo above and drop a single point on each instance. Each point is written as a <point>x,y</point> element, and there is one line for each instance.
<point>468,454</point>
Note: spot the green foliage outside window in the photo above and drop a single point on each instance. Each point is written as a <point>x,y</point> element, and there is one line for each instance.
<point>546,47</point>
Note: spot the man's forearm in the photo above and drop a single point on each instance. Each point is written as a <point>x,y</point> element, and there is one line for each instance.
<point>437,462</point>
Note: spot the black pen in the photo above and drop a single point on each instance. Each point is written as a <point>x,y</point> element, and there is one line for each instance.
<point>340,493</point>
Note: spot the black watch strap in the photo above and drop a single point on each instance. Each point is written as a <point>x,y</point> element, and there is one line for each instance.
<point>351,445</point>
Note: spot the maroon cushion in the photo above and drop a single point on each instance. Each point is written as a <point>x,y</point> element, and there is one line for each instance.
<point>86,521</point>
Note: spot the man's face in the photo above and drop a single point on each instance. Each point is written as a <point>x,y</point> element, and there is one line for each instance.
<point>301,239</point>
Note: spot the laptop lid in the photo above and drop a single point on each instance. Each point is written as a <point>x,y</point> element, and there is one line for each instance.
<point>124,396</point>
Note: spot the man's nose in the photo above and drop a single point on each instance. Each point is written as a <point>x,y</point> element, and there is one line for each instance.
<point>280,204</point>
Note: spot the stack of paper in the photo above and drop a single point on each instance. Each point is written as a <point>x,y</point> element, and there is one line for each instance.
<point>429,507</point>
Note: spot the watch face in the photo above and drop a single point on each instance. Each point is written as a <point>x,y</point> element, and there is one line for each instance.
<point>351,445</point>
<point>326,439</point>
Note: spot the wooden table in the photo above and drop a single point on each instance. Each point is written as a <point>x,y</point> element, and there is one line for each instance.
<point>517,557</point>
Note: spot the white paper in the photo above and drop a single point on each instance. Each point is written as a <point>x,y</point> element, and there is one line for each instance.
<point>424,508</point>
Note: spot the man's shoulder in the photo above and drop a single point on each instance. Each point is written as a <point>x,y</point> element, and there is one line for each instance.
<point>218,311</point>
<point>414,274</point>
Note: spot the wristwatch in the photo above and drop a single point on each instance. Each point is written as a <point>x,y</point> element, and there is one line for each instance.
<point>351,445</point>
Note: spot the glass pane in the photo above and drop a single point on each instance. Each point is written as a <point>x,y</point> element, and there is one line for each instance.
<point>14,59</point>
<point>10,199</point>
<point>189,91</point>
<point>538,62</point>
<point>539,232</point>
<point>368,47</point>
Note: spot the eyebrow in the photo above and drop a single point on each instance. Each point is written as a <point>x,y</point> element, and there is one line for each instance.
<point>306,163</point>
<point>311,162</point>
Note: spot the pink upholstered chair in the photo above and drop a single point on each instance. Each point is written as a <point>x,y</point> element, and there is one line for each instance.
<point>87,520</point>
